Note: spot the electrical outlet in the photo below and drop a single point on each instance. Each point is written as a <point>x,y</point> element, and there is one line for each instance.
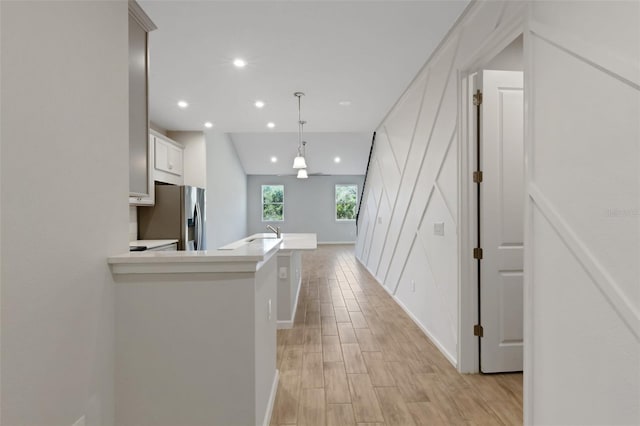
<point>80,422</point>
<point>438,229</point>
<point>269,309</point>
<point>413,286</point>
<point>283,272</point>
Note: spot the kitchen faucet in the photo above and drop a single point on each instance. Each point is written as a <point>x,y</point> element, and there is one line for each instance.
<point>276,230</point>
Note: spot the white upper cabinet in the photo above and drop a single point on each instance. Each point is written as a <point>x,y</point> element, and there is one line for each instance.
<point>168,160</point>
<point>168,157</point>
<point>140,179</point>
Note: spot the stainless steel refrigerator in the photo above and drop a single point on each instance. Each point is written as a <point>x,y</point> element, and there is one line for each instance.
<point>179,213</point>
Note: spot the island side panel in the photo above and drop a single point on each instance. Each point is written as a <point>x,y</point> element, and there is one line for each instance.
<point>185,349</point>
<point>266,293</point>
<point>288,287</point>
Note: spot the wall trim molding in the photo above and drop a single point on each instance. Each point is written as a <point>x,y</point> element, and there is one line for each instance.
<point>605,283</point>
<point>141,17</point>
<point>589,53</point>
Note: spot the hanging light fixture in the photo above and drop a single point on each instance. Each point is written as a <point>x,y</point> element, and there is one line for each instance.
<point>302,173</point>
<point>299,162</point>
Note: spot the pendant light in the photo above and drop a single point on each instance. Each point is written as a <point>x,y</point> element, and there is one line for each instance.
<point>299,162</point>
<point>302,173</point>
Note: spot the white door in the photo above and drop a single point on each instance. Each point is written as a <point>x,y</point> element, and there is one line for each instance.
<point>501,220</point>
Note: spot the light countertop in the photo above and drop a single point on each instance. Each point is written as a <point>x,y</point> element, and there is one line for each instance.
<point>245,255</point>
<point>299,241</point>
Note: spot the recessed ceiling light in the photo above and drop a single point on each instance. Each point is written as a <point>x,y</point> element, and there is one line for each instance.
<point>274,159</point>
<point>259,104</point>
<point>239,63</point>
<point>183,104</point>
<point>271,125</point>
<point>336,160</point>
<point>344,103</point>
<point>208,124</point>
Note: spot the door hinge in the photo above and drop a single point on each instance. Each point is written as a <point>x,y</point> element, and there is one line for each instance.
<point>478,330</point>
<point>477,253</point>
<point>477,176</point>
<point>477,98</point>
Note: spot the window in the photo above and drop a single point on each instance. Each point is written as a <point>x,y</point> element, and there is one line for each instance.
<point>272,203</point>
<point>346,201</point>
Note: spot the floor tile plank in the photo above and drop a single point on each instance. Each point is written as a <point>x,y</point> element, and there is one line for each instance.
<point>364,400</point>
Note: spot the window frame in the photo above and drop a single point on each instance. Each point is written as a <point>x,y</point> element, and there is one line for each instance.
<point>335,202</point>
<point>262,204</point>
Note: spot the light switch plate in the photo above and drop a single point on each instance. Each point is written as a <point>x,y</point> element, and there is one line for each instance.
<point>438,229</point>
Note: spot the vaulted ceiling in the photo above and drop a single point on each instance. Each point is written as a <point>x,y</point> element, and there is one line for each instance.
<point>352,59</point>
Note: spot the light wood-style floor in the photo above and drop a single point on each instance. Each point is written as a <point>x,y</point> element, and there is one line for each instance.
<point>355,357</point>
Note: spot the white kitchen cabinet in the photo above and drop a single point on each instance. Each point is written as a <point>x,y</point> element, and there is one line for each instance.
<point>141,189</point>
<point>168,160</point>
<point>148,198</point>
<point>140,181</point>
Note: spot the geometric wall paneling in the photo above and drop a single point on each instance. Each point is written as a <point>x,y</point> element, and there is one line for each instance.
<point>441,253</point>
<point>363,227</point>
<point>371,212</point>
<point>416,163</point>
<point>577,305</point>
<point>405,240</point>
<point>596,212</point>
<point>374,182</point>
<point>582,146</point>
<point>441,250</point>
<point>584,195</point>
<point>377,239</point>
<point>418,293</point>
<point>401,121</point>
<point>447,181</point>
<point>390,172</point>
<point>419,202</point>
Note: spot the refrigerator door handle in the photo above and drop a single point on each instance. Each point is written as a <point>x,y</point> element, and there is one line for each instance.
<point>198,223</point>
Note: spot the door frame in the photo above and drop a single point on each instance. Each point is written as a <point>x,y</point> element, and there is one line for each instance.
<point>468,345</point>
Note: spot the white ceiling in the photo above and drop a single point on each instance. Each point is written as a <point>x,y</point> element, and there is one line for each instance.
<point>365,52</point>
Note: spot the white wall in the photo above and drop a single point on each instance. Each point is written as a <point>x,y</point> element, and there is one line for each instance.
<point>582,268</point>
<point>309,206</point>
<point>195,156</point>
<point>413,183</point>
<point>226,191</point>
<point>582,327</point>
<point>65,153</point>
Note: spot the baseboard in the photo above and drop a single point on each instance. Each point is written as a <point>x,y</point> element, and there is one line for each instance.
<point>320,243</point>
<point>284,324</point>
<point>272,399</point>
<point>417,322</point>
<point>431,337</point>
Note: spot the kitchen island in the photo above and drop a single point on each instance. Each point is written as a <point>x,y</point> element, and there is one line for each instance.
<point>195,335</point>
<point>195,332</point>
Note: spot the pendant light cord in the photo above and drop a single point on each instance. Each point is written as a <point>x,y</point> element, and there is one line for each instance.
<point>299,95</point>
